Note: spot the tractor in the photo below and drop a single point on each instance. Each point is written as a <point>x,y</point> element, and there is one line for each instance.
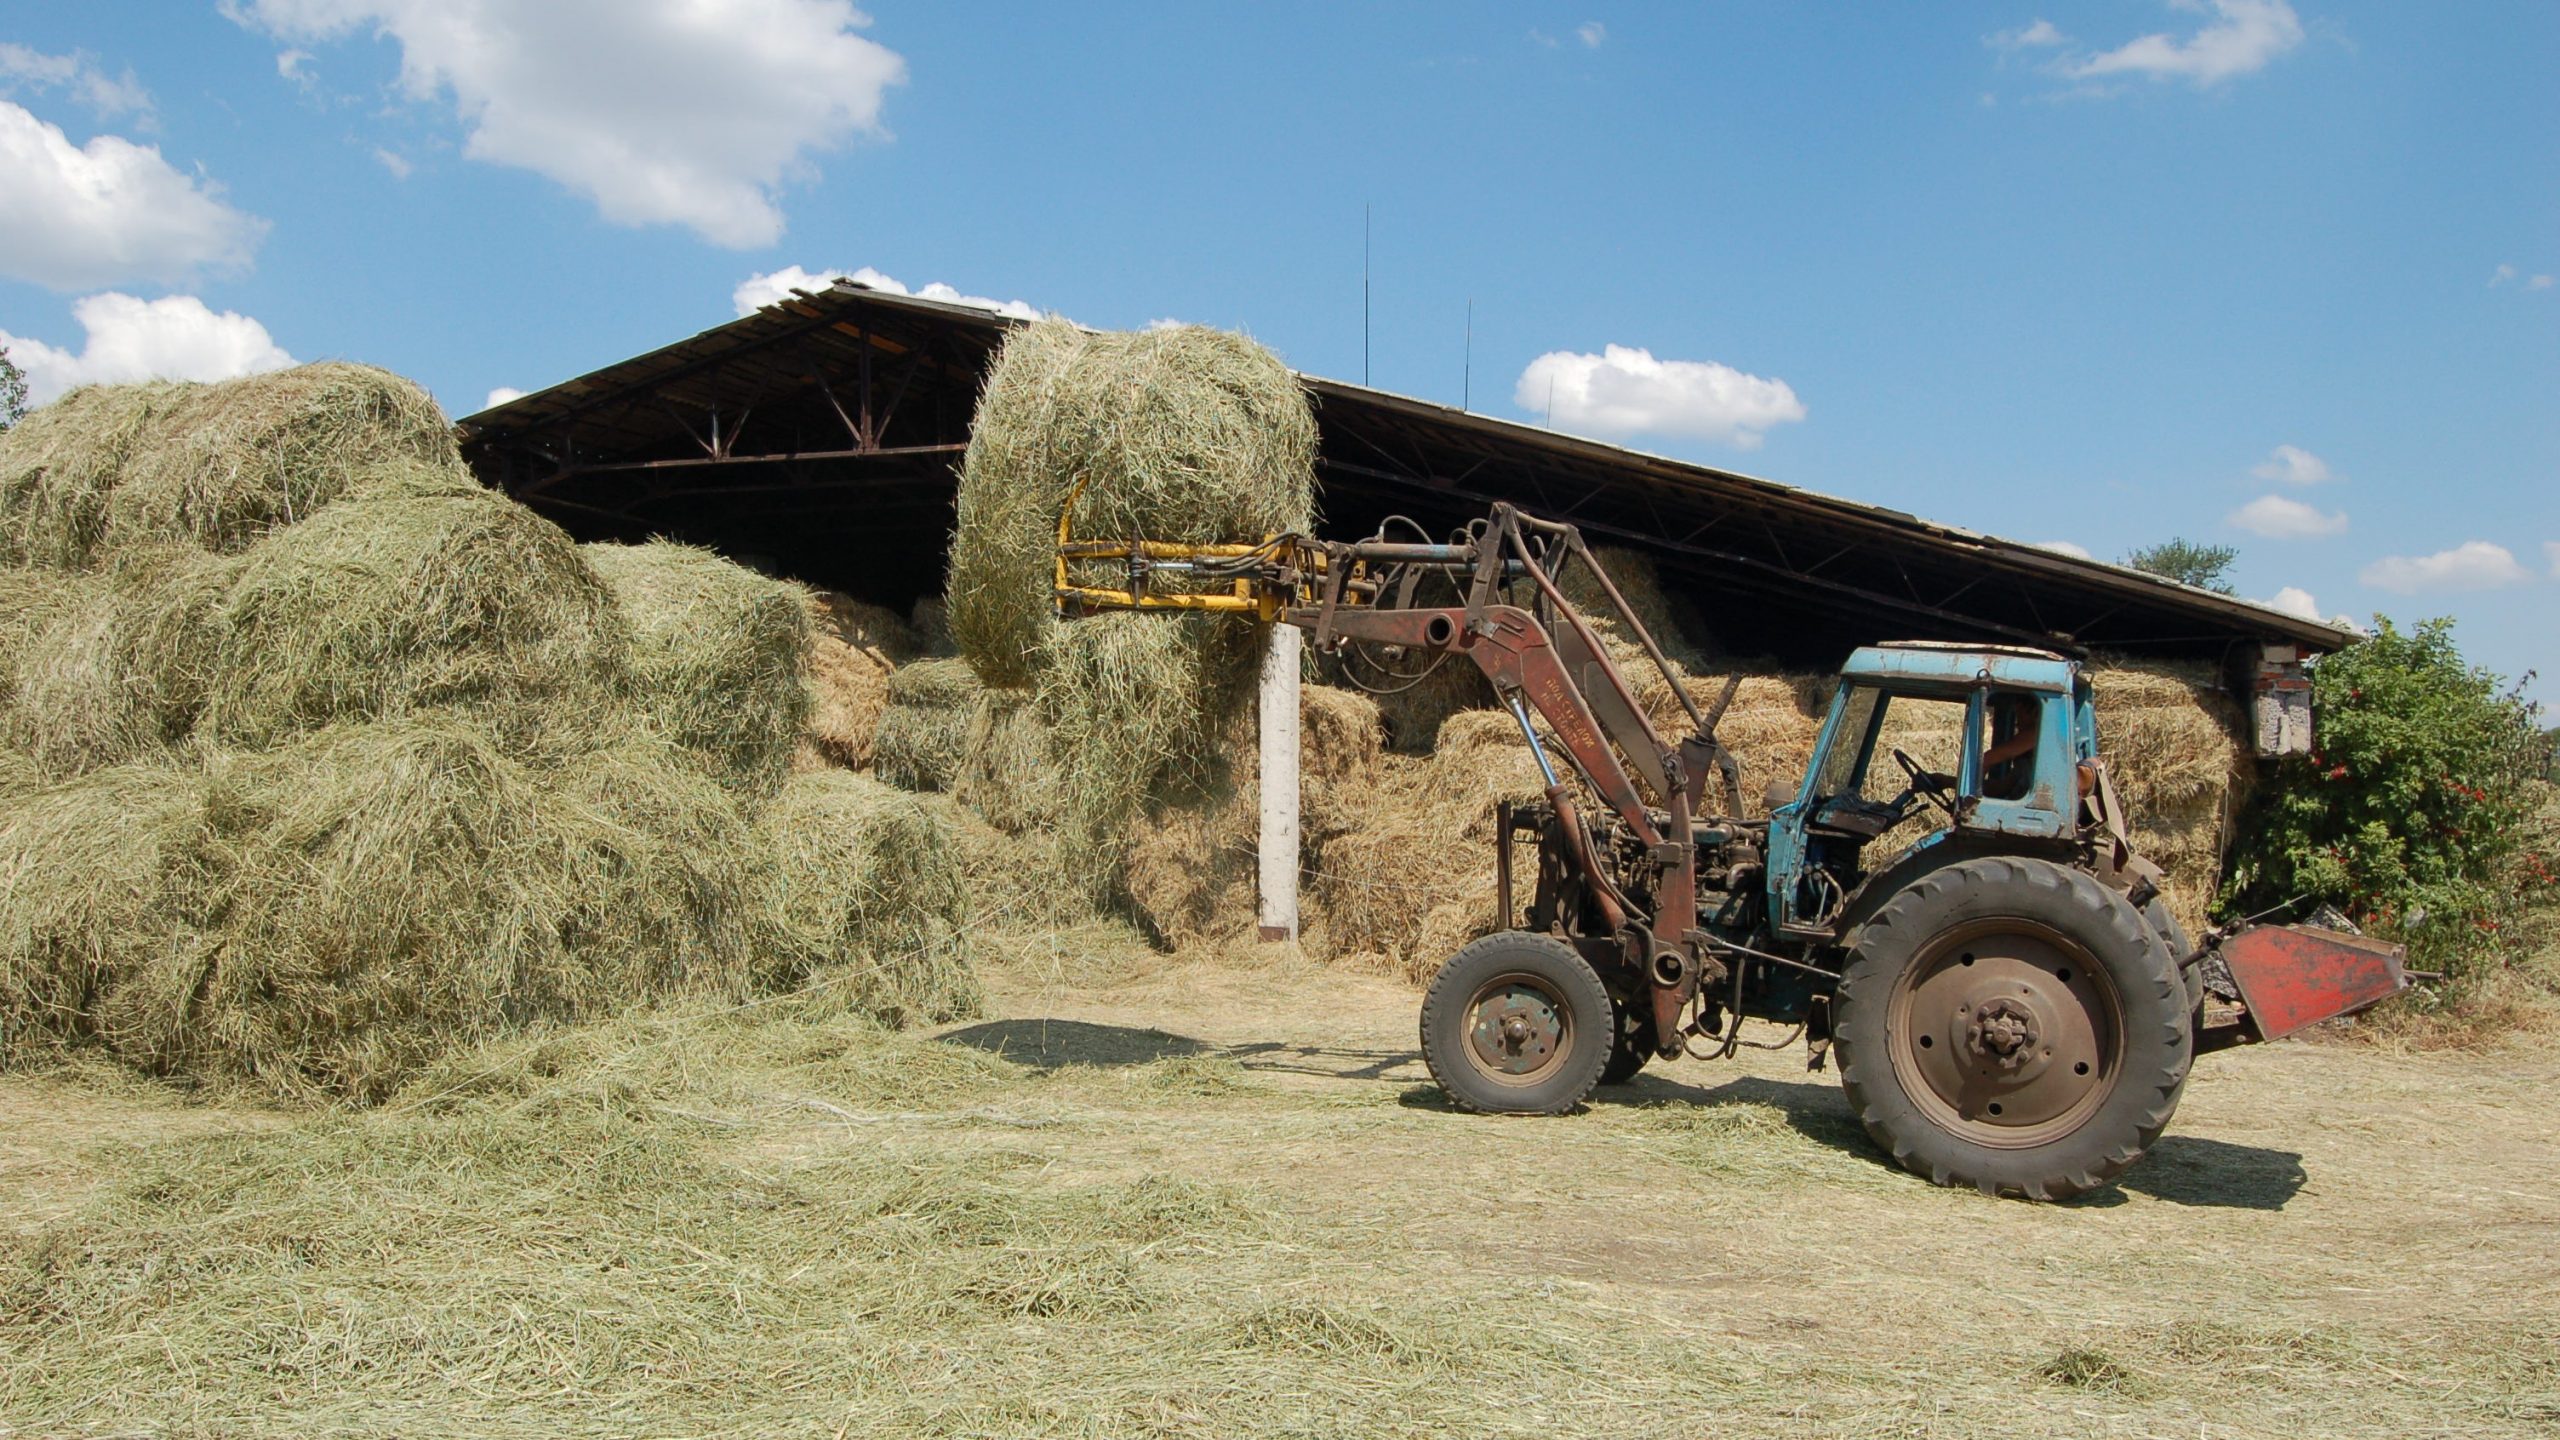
<point>1972,934</point>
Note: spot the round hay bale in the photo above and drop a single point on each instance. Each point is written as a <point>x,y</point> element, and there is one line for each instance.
<point>866,899</point>
<point>324,919</point>
<point>120,664</point>
<point>220,465</point>
<point>59,464</point>
<point>717,653</point>
<point>379,607</point>
<point>924,727</point>
<point>1179,434</point>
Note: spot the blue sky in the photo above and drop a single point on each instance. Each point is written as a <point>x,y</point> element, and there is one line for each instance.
<point>2269,274</point>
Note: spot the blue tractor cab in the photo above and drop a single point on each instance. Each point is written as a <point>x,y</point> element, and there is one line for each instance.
<point>2007,740</point>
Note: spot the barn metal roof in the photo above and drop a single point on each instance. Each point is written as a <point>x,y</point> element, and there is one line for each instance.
<point>824,432</point>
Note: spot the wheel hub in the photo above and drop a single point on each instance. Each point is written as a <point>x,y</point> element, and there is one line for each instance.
<point>2008,1033</point>
<point>1515,1029</point>
<point>2002,1032</point>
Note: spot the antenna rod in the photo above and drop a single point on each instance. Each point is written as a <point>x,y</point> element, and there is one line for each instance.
<point>1364,294</point>
<point>1467,368</point>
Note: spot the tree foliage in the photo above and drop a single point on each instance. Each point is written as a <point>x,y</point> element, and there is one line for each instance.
<point>2187,562</point>
<point>2423,810</point>
<point>13,391</point>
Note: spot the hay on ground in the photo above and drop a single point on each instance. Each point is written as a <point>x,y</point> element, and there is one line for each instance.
<point>716,654</point>
<point>867,898</point>
<point>220,465</point>
<point>59,464</point>
<point>924,727</point>
<point>1178,434</point>
<point>380,607</point>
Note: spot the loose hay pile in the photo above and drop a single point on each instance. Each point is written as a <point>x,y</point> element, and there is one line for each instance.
<point>317,759</point>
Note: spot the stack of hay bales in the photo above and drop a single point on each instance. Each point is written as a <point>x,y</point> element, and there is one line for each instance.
<point>853,646</point>
<point>320,758</point>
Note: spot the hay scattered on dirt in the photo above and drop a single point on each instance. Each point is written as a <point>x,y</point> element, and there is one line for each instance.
<point>1180,434</point>
<point>868,899</point>
<point>220,465</point>
<point>716,655</point>
<point>924,729</point>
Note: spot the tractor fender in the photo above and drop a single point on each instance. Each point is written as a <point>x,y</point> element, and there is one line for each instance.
<point>1951,848</point>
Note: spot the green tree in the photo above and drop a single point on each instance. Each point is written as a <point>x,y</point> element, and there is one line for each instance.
<point>13,391</point>
<point>2188,563</point>
<point>2422,810</point>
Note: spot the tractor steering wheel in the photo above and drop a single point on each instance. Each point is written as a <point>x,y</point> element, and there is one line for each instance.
<point>1928,783</point>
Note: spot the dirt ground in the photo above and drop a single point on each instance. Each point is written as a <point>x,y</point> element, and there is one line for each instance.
<point>2332,1240</point>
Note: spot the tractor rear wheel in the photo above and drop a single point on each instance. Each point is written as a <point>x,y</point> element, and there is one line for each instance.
<point>2012,1025</point>
<point>1517,1024</point>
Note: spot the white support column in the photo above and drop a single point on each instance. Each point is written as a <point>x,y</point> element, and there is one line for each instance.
<point>1279,844</point>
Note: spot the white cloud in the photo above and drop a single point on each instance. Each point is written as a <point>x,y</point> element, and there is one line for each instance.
<point>295,67</point>
<point>173,338</point>
<point>1541,37</point>
<point>2294,600</point>
<point>757,291</point>
<point>2281,517</point>
<point>395,162</point>
<point>1591,33</point>
<point>2471,565</point>
<point>2241,39</point>
<point>501,396</point>
<point>2538,282</point>
<point>104,95</point>
<point>2551,552</point>
<point>1165,322</point>
<point>2043,34</point>
<point>76,216</point>
<point>2293,465</point>
<point>2501,276</point>
<point>662,112</point>
<point>2065,547</point>
<point>1624,391</point>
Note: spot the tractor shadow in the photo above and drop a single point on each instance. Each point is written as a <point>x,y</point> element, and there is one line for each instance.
<point>1057,1044</point>
<point>1045,1044</point>
<point>2180,1169</point>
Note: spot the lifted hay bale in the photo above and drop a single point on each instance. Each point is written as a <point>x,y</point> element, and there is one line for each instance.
<point>380,607</point>
<point>866,899</point>
<point>220,465</point>
<point>717,653</point>
<point>58,465</point>
<point>924,728</point>
<point>1178,434</point>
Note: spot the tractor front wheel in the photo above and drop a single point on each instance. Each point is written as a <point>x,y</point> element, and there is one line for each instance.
<point>2014,1026</point>
<point>1517,1024</point>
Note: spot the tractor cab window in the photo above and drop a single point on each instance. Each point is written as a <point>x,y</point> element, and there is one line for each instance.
<point>1840,771</point>
<point>1928,729</point>
<point>2010,724</point>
